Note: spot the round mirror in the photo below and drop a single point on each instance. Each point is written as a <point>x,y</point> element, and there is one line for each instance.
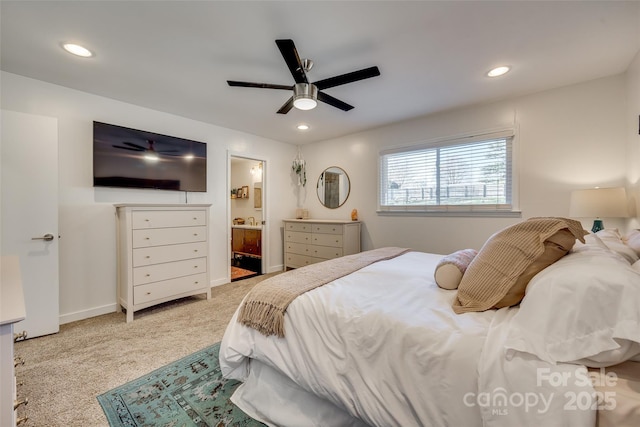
<point>333,187</point>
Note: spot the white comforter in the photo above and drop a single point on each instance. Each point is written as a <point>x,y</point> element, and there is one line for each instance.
<point>384,345</point>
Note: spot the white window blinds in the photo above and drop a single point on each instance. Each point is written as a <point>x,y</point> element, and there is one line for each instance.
<point>468,174</point>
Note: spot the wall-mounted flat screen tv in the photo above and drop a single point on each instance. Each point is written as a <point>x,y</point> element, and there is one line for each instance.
<point>124,157</point>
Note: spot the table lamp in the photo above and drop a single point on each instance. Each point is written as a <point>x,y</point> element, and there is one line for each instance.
<point>599,203</point>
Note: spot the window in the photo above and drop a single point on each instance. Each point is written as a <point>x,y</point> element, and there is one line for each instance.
<point>465,175</point>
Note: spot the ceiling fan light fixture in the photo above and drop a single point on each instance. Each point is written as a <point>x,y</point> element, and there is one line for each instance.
<point>305,96</point>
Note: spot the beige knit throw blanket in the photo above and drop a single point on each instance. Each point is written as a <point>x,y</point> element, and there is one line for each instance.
<point>264,307</point>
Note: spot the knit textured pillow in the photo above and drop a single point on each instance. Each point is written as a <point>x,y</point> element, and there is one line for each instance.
<point>451,268</point>
<point>505,257</point>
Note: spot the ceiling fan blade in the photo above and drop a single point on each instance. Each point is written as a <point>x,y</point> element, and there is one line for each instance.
<point>328,99</point>
<point>286,107</point>
<point>290,55</point>
<point>127,148</point>
<point>259,85</point>
<point>354,76</point>
<point>137,146</point>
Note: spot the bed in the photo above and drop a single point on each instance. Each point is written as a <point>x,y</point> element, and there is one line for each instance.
<point>383,346</point>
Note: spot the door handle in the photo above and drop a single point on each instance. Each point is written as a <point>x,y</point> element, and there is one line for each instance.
<point>47,237</point>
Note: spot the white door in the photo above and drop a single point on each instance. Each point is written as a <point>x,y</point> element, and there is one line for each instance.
<point>29,211</point>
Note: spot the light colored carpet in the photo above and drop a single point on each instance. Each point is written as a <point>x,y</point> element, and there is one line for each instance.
<point>63,373</point>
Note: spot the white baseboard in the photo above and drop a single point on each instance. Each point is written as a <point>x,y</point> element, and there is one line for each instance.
<point>85,314</point>
<point>275,268</point>
<point>218,282</point>
<point>110,308</point>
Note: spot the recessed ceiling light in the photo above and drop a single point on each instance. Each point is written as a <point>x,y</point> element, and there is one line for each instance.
<point>303,127</point>
<point>77,50</point>
<point>498,71</point>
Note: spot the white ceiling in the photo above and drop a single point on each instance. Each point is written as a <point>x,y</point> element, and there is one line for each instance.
<point>175,56</point>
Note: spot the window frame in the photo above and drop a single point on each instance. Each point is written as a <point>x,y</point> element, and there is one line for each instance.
<point>484,210</point>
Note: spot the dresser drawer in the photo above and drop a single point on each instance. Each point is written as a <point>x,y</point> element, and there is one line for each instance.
<point>327,228</point>
<point>297,260</point>
<point>297,237</point>
<point>298,226</point>
<point>164,219</point>
<point>334,240</point>
<point>168,236</point>
<point>296,248</point>
<point>168,270</point>
<point>154,291</point>
<point>325,252</point>
<point>160,254</point>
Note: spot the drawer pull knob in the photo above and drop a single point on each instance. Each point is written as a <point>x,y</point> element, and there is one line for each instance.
<point>18,403</point>
<point>195,250</point>
<point>147,219</point>
<point>147,257</point>
<point>195,266</point>
<point>196,282</point>
<point>195,234</point>
<point>148,275</point>
<point>146,238</point>
<point>148,293</point>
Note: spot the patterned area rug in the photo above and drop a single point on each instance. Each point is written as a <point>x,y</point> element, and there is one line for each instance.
<point>188,392</point>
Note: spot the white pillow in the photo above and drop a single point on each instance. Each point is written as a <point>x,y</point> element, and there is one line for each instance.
<point>632,239</point>
<point>589,240</point>
<point>612,238</point>
<point>583,309</point>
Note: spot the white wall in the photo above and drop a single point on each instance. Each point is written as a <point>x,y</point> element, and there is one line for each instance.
<point>567,138</point>
<point>633,140</point>
<point>87,221</point>
<point>572,137</point>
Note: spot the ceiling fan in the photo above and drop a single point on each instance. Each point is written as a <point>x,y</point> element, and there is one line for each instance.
<point>305,94</point>
<point>150,150</point>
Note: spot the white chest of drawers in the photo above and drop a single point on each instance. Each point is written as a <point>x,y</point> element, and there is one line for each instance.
<point>310,241</point>
<point>12,310</point>
<point>163,254</point>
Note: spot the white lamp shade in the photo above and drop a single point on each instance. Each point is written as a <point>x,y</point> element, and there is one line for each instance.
<point>599,203</point>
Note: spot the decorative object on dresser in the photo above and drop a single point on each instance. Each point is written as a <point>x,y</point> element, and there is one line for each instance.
<point>162,253</point>
<point>12,311</point>
<point>310,241</point>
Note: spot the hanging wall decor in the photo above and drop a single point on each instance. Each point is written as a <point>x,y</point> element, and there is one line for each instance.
<point>299,167</point>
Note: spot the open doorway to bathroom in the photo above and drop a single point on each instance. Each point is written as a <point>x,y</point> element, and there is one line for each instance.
<point>247,219</point>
